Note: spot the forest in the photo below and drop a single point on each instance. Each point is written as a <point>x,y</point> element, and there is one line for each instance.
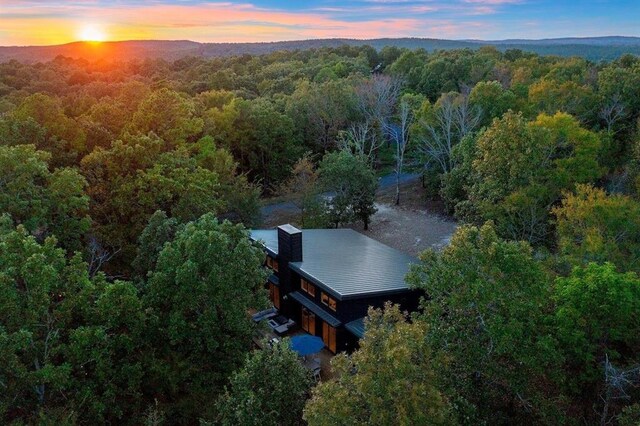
<point>592,48</point>
<point>127,189</point>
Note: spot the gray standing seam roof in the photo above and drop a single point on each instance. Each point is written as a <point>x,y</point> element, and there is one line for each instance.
<point>268,237</point>
<point>346,263</point>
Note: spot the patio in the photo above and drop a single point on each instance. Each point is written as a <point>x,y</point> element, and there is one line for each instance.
<point>265,335</point>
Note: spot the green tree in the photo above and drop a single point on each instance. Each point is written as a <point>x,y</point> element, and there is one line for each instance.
<point>304,189</point>
<point>598,321</point>
<point>45,203</point>
<point>15,131</point>
<point>259,395</point>
<point>485,315</point>
<point>389,380</point>
<point>204,282</point>
<point>593,226</point>
<point>630,415</point>
<point>521,170</point>
<point>70,346</point>
<point>352,185</point>
<point>110,173</point>
<point>621,80</point>
<point>138,169</point>
<point>109,353</point>
<point>241,197</point>
<point>455,184</point>
<point>160,230</point>
<point>264,142</point>
<point>48,112</point>
<point>175,184</point>
<point>169,115</point>
<point>321,111</point>
<point>492,100</point>
<point>550,96</point>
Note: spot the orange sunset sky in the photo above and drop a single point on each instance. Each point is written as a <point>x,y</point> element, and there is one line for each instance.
<point>29,22</point>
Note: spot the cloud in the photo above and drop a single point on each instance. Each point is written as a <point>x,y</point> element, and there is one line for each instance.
<point>494,2</point>
<point>229,21</point>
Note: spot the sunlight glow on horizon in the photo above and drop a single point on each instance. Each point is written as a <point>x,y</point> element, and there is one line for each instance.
<point>91,32</point>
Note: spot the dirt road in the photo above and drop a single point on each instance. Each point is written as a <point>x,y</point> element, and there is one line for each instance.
<point>412,227</point>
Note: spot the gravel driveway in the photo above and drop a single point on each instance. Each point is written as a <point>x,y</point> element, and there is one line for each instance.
<point>409,230</point>
<point>412,227</point>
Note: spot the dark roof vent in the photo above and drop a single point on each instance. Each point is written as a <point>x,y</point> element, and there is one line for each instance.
<point>289,243</point>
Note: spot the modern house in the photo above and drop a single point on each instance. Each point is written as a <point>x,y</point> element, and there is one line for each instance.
<point>326,280</point>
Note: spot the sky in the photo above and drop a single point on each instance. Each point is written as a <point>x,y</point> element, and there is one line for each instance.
<point>43,22</point>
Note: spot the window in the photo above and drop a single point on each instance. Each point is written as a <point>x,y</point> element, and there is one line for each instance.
<point>308,321</point>
<point>274,295</point>
<point>307,287</point>
<point>329,337</point>
<point>328,301</point>
<point>332,304</point>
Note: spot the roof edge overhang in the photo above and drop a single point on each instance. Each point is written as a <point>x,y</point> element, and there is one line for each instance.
<point>391,292</point>
<point>315,308</point>
<point>296,268</point>
<point>315,281</point>
<point>264,246</point>
<point>356,327</point>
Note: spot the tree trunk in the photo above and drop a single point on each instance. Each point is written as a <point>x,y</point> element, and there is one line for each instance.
<point>397,189</point>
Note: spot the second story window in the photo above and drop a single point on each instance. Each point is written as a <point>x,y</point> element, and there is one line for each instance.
<point>307,287</point>
<point>328,301</point>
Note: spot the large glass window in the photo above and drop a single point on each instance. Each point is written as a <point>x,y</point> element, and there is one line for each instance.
<point>307,287</point>
<point>328,301</point>
<point>274,295</point>
<point>308,321</point>
<point>329,336</point>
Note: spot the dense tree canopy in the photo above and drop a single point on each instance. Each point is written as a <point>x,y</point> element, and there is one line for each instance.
<point>76,348</point>
<point>46,203</point>
<point>596,227</point>
<point>204,282</point>
<point>485,314</point>
<point>520,169</point>
<point>598,324</point>
<point>126,275</point>
<point>258,395</point>
<point>389,380</point>
<point>72,347</point>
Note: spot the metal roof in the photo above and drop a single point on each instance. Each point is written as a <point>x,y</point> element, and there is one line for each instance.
<point>315,308</point>
<point>268,238</point>
<point>356,327</point>
<point>346,263</point>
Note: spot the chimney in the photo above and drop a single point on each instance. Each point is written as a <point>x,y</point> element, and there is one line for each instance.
<point>289,244</point>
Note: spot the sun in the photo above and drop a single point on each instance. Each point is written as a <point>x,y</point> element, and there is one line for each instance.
<point>91,33</point>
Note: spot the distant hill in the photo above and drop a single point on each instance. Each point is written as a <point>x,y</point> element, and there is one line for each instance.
<point>592,48</point>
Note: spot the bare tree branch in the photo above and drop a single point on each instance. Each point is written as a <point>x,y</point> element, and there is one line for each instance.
<point>454,119</point>
<point>612,112</point>
<point>98,255</point>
